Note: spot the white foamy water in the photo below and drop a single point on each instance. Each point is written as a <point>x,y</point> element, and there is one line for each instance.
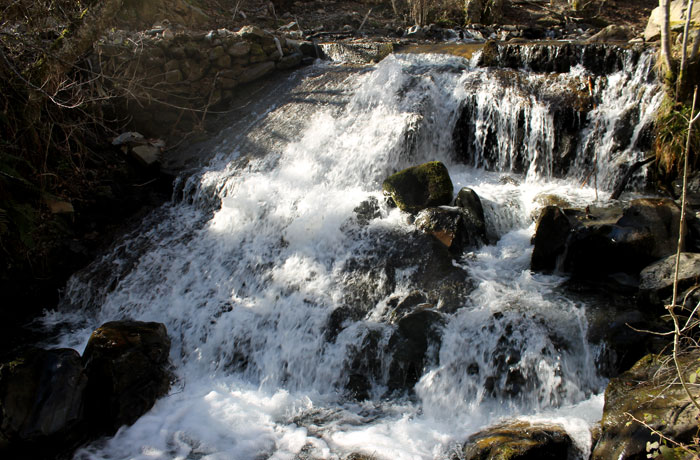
<point>247,269</point>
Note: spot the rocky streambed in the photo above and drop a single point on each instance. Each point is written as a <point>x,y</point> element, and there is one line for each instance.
<point>361,280</point>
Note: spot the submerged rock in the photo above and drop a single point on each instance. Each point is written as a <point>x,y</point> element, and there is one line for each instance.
<point>416,334</point>
<point>41,403</point>
<point>647,392</point>
<point>127,367</point>
<point>519,441</point>
<point>420,187</point>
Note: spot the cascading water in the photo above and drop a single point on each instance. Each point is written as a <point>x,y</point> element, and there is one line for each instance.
<point>281,276</point>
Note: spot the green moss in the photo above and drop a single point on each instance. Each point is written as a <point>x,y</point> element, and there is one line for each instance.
<point>419,187</point>
<point>669,142</point>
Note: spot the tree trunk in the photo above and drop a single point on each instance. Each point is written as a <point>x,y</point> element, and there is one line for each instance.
<point>666,35</point>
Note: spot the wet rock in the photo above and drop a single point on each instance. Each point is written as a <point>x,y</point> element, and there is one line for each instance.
<point>551,235</point>
<point>615,324</point>
<point>309,49</point>
<point>367,210</point>
<point>365,365</point>
<point>479,129</point>
<point>646,392</point>
<point>519,441</point>
<point>453,227</point>
<point>417,332</point>
<point>597,58</point>
<point>127,367</point>
<point>603,242</point>
<point>550,199</point>
<point>41,403</point>
<point>470,204</point>
<point>656,280</point>
<point>390,257</point>
<point>420,187</point>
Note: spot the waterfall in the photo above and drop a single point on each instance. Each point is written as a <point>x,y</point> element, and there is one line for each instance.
<point>283,277</point>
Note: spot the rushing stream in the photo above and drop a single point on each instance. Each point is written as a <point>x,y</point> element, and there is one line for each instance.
<point>281,298</point>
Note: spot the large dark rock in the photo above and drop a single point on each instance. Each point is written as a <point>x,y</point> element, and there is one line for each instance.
<point>412,345</point>
<point>648,392</point>
<point>409,346</point>
<point>551,234</point>
<point>379,265</point>
<point>127,367</point>
<point>647,231</point>
<point>453,227</point>
<point>470,205</point>
<point>656,280</point>
<point>420,187</point>
<point>603,241</point>
<point>519,441</point>
<point>41,403</point>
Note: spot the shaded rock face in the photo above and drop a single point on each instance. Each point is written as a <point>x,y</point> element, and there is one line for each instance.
<point>458,228</point>
<point>41,403</point>
<point>551,234</point>
<point>126,364</point>
<point>410,346</point>
<point>420,187</point>
<point>605,241</point>
<point>519,441</point>
<point>645,392</point>
<point>656,280</point>
<point>408,349</point>
<point>392,258</point>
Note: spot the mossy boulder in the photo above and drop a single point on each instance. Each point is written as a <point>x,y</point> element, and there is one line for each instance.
<point>420,187</point>
<point>519,441</point>
<point>649,392</point>
<point>127,367</point>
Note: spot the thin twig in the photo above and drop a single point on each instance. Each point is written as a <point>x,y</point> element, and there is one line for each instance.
<point>671,308</point>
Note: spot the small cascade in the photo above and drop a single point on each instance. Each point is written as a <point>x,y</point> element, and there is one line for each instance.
<point>575,124</point>
<point>309,319</point>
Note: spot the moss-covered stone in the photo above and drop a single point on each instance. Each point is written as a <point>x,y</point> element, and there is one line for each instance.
<point>649,392</point>
<point>420,187</point>
<point>519,441</point>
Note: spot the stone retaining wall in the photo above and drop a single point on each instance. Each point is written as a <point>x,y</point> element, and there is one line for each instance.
<point>169,78</point>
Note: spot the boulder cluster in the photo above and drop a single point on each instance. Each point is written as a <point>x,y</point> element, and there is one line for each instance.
<point>629,250</point>
<point>53,400</point>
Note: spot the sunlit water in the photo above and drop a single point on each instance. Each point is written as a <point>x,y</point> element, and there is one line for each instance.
<point>246,269</point>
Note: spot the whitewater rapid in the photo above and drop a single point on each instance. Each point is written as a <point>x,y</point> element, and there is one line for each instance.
<point>247,265</point>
